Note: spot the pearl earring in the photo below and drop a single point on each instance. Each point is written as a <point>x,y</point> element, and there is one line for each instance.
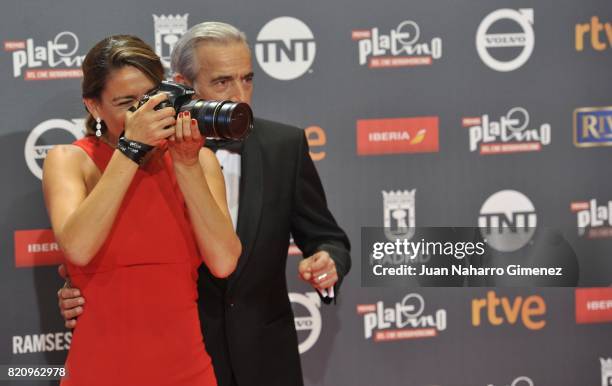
<point>98,127</point>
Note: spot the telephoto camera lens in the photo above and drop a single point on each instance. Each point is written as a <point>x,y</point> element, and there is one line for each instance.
<point>224,120</point>
<point>221,119</point>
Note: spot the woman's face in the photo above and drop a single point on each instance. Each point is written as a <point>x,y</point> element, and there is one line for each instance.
<point>123,88</point>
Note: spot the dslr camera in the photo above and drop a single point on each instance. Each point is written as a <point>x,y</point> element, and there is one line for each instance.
<point>224,120</point>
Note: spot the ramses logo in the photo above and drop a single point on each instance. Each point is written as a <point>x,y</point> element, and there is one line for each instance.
<point>405,320</point>
<point>57,59</point>
<point>45,342</point>
<point>400,48</point>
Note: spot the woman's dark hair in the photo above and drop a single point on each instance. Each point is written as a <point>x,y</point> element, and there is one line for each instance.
<point>113,53</point>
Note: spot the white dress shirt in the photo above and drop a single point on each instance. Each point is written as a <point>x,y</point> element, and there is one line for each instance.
<point>230,166</point>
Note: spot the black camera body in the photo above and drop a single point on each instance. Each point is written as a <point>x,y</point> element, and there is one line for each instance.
<point>225,120</point>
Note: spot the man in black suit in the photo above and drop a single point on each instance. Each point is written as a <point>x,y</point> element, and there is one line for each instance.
<point>273,191</point>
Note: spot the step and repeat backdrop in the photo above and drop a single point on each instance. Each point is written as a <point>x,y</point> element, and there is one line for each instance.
<point>418,113</point>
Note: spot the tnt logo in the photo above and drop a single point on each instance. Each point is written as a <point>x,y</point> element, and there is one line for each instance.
<point>507,220</point>
<point>285,48</point>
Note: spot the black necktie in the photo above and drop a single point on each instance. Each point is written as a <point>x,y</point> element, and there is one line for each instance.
<point>224,144</point>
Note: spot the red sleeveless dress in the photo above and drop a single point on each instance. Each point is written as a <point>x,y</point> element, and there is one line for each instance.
<point>140,324</point>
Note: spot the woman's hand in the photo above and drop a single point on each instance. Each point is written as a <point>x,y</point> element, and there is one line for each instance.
<point>186,143</point>
<point>148,125</point>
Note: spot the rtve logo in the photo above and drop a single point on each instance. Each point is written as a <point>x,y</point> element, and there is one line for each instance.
<point>285,48</point>
<point>497,310</point>
<point>317,139</point>
<point>599,32</point>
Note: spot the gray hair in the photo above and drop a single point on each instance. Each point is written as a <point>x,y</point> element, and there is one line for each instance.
<point>183,59</point>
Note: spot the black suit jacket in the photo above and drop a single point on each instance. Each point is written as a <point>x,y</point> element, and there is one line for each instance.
<point>247,320</point>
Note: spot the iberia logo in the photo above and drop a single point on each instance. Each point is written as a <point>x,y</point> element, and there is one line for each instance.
<point>397,135</point>
<point>594,305</point>
<point>35,248</point>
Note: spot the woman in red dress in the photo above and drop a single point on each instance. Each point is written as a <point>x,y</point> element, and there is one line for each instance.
<point>134,226</point>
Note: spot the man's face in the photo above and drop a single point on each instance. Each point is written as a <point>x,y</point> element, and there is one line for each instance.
<point>225,72</point>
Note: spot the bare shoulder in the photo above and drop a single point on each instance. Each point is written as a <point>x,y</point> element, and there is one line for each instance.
<point>62,158</point>
<point>208,160</point>
<point>65,153</point>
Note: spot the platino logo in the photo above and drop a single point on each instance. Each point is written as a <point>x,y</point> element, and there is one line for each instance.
<point>508,135</point>
<point>406,320</point>
<point>400,48</point>
<point>594,221</point>
<point>59,52</point>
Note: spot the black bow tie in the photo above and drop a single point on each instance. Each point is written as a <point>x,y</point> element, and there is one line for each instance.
<point>224,144</point>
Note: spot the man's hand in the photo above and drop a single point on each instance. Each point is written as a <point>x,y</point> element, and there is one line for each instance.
<point>70,301</point>
<point>319,270</point>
